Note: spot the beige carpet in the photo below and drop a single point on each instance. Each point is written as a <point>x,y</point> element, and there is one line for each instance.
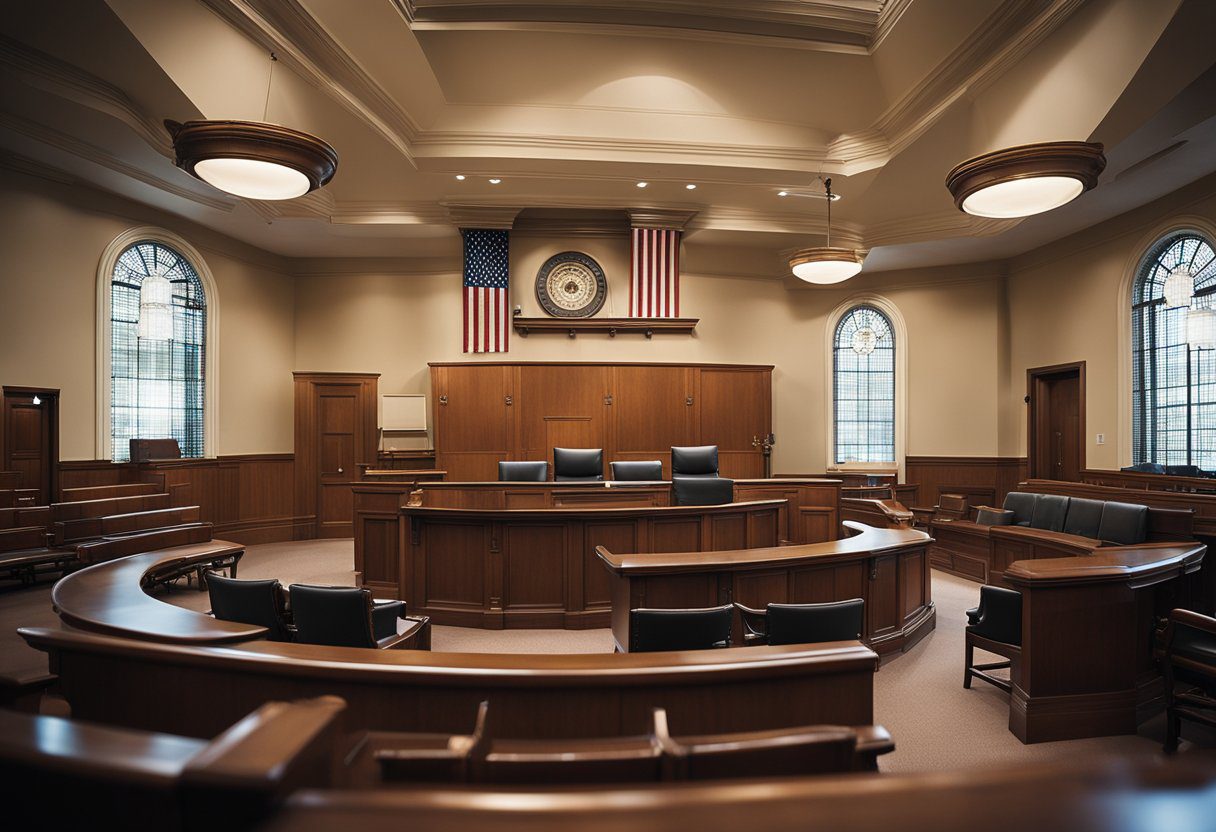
<point>919,696</point>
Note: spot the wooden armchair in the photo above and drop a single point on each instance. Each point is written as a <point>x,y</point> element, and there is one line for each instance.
<point>1190,659</point>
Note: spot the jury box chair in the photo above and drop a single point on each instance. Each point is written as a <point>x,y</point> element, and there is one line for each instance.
<point>578,464</point>
<point>1189,662</point>
<point>260,603</point>
<point>345,616</point>
<point>652,630</point>
<point>996,626</point>
<point>523,471</point>
<point>643,470</point>
<point>803,623</point>
<point>694,461</point>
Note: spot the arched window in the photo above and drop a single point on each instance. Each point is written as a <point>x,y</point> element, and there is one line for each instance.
<point>863,387</point>
<point>1173,380</point>
<point>158,349</point>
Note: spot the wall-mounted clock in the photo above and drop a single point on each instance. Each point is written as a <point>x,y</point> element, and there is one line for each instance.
<point>571,285</point>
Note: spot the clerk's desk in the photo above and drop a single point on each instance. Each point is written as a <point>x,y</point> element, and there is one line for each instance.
<point>888,568</point>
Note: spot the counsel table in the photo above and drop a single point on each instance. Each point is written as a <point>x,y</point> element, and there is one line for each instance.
<point>888,568</point>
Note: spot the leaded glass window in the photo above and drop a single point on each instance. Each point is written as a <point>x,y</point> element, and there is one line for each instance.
<point>156,383</point>
<point>863,387</point>
<point>1173,383</point>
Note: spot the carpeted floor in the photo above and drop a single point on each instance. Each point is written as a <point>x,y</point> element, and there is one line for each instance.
<point>919,697</point>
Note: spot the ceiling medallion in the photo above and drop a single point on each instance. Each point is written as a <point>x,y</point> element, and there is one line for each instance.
<point>253,159</point>
<point>1025,180</point>
<point>825,265</point>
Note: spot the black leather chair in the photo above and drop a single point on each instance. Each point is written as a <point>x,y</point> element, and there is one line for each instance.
<point>996,626</point>
<point>1123,523</point>
<point>803,623</point>
<point>260,603</point>
<point>1049,513</point>
<point>1084,517</point>
<point>1185,471</point>
<point>344,616</point>
<point>694,461</point>
<point>1189,661</point>
<point>699,629</point>
<point>523,471</point>
<point>650,470</point>
<point>702,491</point>
<point>1145,468</point>
<point>1021,504</point>
<point>578,464</point>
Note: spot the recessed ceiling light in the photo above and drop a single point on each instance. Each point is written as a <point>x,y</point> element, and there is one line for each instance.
<point>783,193</point>
<point>460,177</point>
<point>691,187</point>
<point>643,184</point>
<point>495,181</point>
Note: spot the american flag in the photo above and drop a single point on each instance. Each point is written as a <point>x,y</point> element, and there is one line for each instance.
<point>654,291</point>
<point>487,316</point>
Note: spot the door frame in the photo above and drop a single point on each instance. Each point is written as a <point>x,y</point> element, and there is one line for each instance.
<point>51,398</point>
<point>1033,376</point>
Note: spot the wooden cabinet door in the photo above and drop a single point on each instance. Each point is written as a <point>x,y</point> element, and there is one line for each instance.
<point>472,420</point>
<point>561,407</point>
<point>733,408</point>
<point>652,409</point>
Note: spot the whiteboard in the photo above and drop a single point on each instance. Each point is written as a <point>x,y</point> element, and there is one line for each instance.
<point>403,412</point>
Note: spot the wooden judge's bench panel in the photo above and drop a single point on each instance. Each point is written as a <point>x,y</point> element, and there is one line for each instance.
<point>485,413</point>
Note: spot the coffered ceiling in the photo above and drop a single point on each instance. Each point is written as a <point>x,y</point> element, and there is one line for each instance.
<point>571,104</point>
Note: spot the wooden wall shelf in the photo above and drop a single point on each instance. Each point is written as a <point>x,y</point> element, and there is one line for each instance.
<point>573,326</point>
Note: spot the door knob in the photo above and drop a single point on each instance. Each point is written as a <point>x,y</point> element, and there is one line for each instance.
<point>339,470</point>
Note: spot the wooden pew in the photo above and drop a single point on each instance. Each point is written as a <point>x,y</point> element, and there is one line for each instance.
<point>92,528</point>
<point>102,492</point>
<point>108,505</point>
<point>25,516</point>
<point>25,554</point>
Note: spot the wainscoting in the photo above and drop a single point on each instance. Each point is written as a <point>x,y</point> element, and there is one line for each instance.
<point>248,498</point>
<point>984,479</point>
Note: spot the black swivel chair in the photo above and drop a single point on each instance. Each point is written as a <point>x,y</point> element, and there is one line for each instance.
<point>523,471</point>
<point>694,461</point>
<point>698,629</point>
<point>1190,660</point>
<point>702,491</point>
<point>578,464</point>
<point>1145,468</point>
<point>345,616</point>
<point>260,603</point>
<point>996,626</point>
<point>648,470</point>
<point>803,623</point>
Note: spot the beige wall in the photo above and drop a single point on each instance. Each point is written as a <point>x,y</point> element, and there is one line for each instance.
<point>1069,301</point>
<point>53,236</point>
<point>394,323</point>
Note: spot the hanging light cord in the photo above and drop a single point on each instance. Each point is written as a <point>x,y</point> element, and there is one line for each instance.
<point>269,81</point>
<point>827,186</point>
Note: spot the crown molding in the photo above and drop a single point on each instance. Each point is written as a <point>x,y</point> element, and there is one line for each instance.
<point>935,226</point>
<point>660,218</point>
<point>464,215</point>
<point>888,17</point>
<point>91,153</point>
<point>32,167</point>
<point>43,72</point>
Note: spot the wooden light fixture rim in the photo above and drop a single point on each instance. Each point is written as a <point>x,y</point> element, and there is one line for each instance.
<point>1083,161</point>
<point>195,141</point>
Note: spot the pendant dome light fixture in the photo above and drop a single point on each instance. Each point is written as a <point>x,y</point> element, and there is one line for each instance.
<point>1026,180</point>
<point>1179,288</point>
<point>824,265</point>
<point>156,307</point>
<point>253,159</point>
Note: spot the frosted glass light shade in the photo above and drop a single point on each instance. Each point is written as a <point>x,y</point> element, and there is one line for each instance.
<point>825,266</point>
<point>1201,328</point>
<point>156,308</point>
<point>1023,197</point>
<point>252,178</point>
<point>1179,288</point>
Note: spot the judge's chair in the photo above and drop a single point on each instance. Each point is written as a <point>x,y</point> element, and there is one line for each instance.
<point>646,470</point>
<point>996,626</point>
<point>578,464</point>
<point>694,629</point>
<point>803,623</point>
<point>523,471</point>
<point>347,616</point>
<point>694,461</point>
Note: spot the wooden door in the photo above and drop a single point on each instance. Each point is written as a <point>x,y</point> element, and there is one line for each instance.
<point>31,438</point>
<point>1056,432</point>
<point>335,432</point>
<point>472,420</point>
<point>652,410</point>
<point>561,406</point>
<point>734,410</point>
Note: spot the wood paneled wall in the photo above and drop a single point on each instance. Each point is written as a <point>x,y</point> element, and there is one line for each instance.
<point>248,498</point>
<point>485,413</point>
<point>984,479</point>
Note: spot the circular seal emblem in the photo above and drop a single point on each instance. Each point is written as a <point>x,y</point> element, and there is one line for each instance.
<point>571,285</point>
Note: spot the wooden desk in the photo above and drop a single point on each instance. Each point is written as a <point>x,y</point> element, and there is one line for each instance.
<point>1087,667</point>
<point>537,567</point>
<point>885,514</point>
<point>888,568</point>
